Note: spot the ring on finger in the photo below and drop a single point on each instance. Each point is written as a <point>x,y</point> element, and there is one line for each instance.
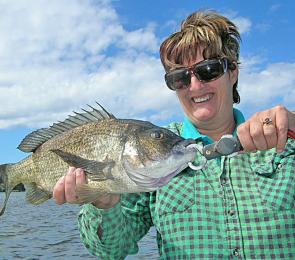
<point>267,121</point>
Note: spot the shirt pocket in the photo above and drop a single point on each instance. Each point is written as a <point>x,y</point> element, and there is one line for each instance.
<point>275,181</point>
<point>178,195</point>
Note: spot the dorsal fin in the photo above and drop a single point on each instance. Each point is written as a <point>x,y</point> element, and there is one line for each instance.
<point>33,140</point>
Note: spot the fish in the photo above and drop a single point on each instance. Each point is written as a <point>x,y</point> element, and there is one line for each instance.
<point>117,155</point>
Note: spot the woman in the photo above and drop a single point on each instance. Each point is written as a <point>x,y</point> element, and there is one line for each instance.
<point>239,207</point>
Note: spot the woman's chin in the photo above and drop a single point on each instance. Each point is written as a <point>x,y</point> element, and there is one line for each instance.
<point>203,114</point>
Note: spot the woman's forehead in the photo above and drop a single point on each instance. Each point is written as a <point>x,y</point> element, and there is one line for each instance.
<point>191,58</point>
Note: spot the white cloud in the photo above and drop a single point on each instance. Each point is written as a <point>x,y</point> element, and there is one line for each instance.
<point>275,7</point>
<point>143,38</point>
<point>54,57</point>
<point>243,24</point>
<point>44,32</point>
<point>266,87</point>
<point>57,56</point>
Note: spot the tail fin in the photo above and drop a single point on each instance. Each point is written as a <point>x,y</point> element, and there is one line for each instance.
<point>4,184</point>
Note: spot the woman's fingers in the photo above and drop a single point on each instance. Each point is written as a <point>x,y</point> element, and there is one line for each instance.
<point>269,132</point>
<point>65,189</point>
<point>70,185</point>
<point>266,129</point>
<point>59,191</point>
<point>245,137</point>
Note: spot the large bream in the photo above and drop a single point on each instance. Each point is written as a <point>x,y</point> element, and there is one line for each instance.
<point>118,156</point>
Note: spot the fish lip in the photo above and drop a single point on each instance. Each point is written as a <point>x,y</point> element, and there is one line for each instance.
<point>149,183</point>
<point>183,144</point>
<point>175,162</point>
<point>166,179</point>
<point>184,152</point>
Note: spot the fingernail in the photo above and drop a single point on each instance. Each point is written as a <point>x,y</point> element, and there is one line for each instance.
<point>61,180</point>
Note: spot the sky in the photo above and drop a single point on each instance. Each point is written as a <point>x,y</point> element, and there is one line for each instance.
<point>58,56</point>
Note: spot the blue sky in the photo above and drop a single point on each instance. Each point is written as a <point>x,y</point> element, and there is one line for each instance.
<point>57,56</point>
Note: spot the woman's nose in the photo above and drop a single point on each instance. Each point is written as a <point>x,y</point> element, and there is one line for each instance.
<point>195,83</point>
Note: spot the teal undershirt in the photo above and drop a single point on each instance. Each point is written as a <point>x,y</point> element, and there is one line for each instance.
<point>190,131</point>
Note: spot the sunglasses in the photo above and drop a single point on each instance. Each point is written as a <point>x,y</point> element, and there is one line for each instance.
<point>205,71</point>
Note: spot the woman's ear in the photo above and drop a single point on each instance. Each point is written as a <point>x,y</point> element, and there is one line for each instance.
<point>232,66</point>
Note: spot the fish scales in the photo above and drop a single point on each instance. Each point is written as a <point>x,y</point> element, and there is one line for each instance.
<point>117,155</point>
<point>93,141</point>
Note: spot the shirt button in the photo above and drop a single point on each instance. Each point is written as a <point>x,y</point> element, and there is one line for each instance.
<point>231,212</point>
<point>236,252</point>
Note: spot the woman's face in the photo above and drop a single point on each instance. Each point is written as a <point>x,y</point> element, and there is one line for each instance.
<point>207,102</point>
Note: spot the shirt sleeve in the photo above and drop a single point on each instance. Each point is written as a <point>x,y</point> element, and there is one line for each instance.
<point>122,226</point>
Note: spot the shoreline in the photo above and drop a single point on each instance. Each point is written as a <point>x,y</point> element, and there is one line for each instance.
<point>17,188</point>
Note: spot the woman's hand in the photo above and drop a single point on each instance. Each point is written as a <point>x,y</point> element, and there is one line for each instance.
<point>267,129</point>
<point>65,190</point>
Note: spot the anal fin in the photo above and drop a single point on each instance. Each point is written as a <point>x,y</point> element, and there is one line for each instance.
<point>87,194</point>
<point>36,195</point>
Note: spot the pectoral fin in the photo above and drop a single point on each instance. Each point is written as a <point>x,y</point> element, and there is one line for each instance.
<point>36,195</point>
<point>97,171</point>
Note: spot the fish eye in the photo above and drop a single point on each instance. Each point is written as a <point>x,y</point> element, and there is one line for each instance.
<point>157,135</point>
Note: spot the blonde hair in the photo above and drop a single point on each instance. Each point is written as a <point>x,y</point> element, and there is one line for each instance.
<point>216,33</point>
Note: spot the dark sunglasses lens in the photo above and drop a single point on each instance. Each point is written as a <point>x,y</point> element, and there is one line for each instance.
<point>209,71</point>
<point>178,79</point>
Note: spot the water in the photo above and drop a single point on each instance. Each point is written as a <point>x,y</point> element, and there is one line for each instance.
<point>49,231</point>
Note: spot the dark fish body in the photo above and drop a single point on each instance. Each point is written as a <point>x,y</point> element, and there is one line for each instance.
<point>118,156</point>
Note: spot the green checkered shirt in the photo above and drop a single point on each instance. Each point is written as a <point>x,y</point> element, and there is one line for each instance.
<point>235,208</point>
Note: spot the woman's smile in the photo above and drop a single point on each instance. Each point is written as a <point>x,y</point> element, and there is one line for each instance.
<point>202,98</point>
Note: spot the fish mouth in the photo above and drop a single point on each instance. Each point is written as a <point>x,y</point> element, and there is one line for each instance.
<point>159,173</point>
<point>147,183</point>
<point>165,180</point>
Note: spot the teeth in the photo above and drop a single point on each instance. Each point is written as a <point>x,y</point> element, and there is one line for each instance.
<point>201,99</point>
